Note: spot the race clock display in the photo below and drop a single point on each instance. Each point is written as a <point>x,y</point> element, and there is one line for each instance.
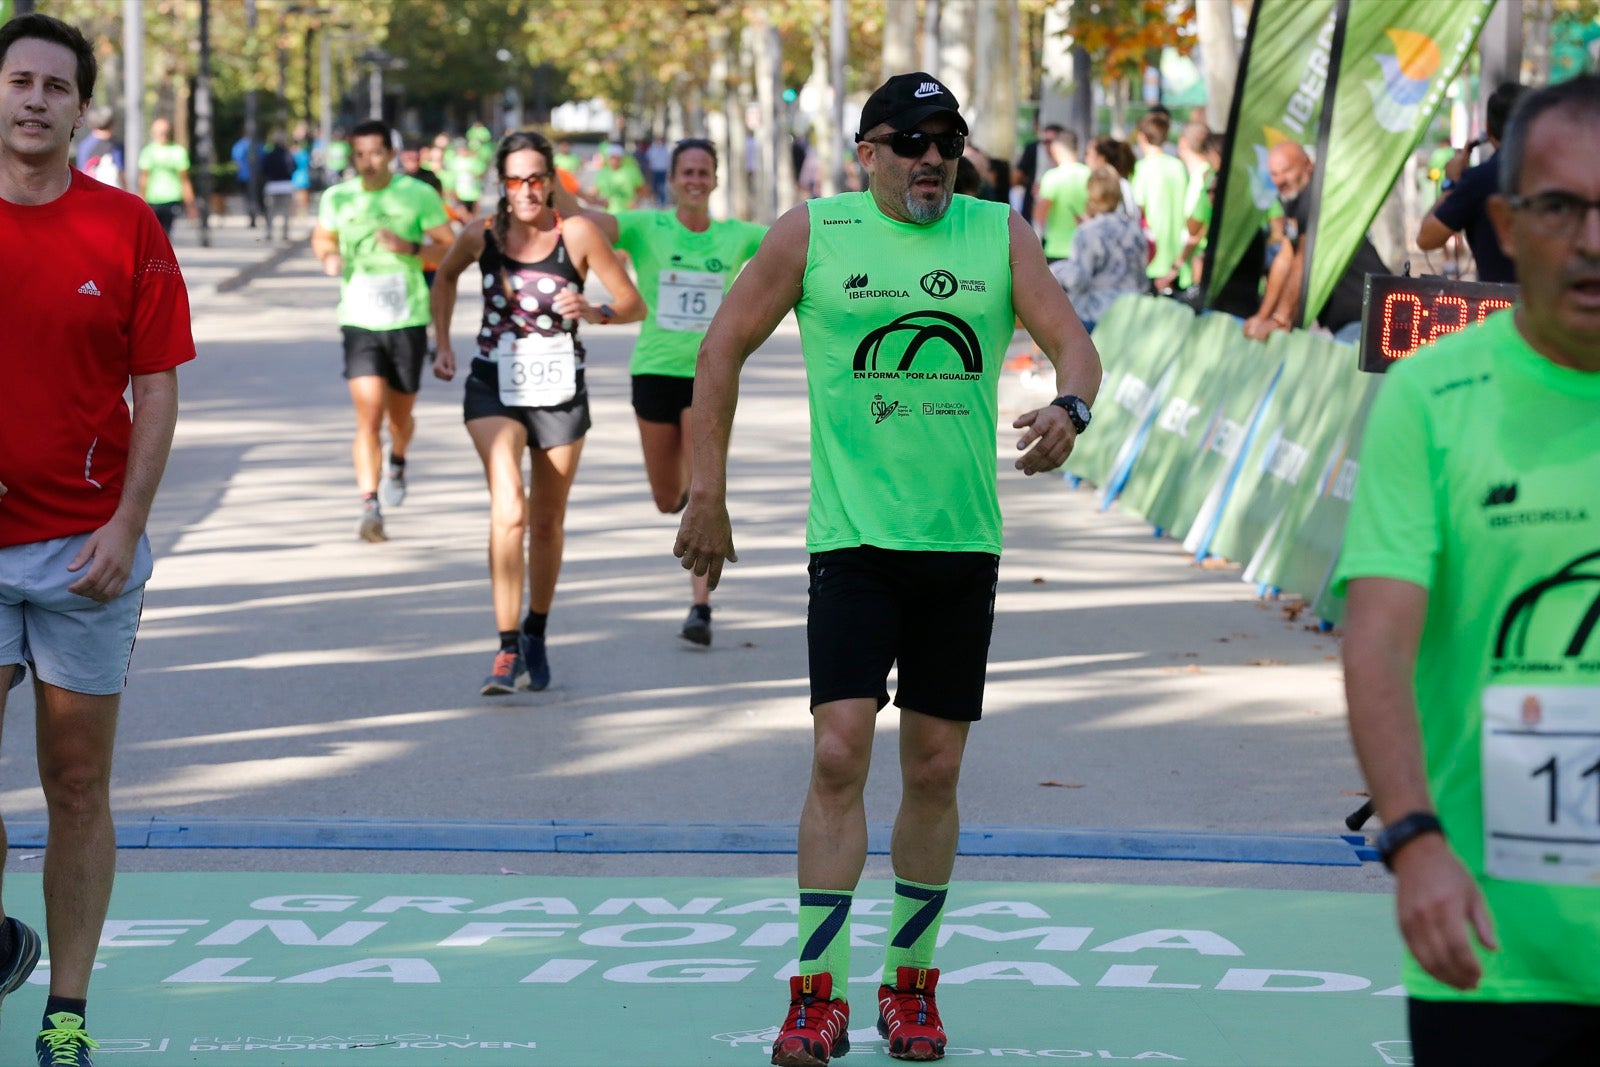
<point>1401,314</point>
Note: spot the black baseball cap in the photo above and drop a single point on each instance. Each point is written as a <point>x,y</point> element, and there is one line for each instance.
<point>905,100</point>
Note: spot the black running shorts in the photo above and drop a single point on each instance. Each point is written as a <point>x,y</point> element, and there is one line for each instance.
<point>661,397</point>
<point>1477,1033</point>
<point>930,612</point>
<point>394,355</point>
<point>547,427</point>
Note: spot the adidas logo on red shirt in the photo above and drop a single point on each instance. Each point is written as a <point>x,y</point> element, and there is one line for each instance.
<point>88,288</point>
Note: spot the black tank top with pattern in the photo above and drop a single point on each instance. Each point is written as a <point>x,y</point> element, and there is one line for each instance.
<point>518,301</point>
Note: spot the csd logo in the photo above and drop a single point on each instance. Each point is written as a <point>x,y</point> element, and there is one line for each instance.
<point>939,284</point>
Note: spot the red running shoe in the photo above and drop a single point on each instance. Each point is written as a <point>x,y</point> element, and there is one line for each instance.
<point>818,1027</point>
<point>907,1016</point>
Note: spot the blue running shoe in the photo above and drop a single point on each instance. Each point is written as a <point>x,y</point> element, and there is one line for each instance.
<point>538,663</point>
<point>64,1043</point>
<point>24,958</point>
<point>508,667</point>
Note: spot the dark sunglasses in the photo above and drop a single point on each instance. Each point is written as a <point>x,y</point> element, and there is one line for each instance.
<point>511,183</point>
<point>913,144</point>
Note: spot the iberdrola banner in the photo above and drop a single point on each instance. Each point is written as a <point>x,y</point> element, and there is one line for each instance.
<point>1384,64</point>
<point>1396,58</point>
<point>1283,75</point>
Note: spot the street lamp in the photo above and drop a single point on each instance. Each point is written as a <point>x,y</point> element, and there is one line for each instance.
<point>380,61</point>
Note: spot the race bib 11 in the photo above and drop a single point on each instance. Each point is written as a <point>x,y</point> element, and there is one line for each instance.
<point>1541,784</point>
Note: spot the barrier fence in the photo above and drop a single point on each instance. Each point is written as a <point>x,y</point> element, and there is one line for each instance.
<point>1239,449</point>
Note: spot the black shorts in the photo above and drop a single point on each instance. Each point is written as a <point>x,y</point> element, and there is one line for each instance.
<point>661,397</point>
<point>547,427</point>
<point>394,355</point>
<point>1476,1033</point>
<point>930,612</point>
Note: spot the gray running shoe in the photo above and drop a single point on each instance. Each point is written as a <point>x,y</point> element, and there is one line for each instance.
<point>393,489</point>
<point>371,528</point>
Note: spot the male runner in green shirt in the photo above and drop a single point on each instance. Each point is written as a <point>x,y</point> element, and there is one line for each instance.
<point>374,232</point>
<point>906,298</point>
<point>1472,665</point>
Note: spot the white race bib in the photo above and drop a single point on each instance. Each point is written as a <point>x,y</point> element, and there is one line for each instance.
<point>538,372</point>
<point>376,301</point>
<point>1541,784</point>
<point>688,299</point>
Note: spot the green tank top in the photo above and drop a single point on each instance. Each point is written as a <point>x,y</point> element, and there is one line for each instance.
<point>904,329</point>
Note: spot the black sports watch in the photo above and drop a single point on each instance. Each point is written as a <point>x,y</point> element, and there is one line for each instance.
<point>1077,410</point>
<point>1404,831</point>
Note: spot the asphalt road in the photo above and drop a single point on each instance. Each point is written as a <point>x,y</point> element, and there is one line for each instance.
<point>287,670</point>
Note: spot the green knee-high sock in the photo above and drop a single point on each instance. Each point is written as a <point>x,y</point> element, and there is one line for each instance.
<point>913,926</point>
<point>825,935</point>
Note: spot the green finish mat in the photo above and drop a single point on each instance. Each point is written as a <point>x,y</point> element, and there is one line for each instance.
<point>426,971</point>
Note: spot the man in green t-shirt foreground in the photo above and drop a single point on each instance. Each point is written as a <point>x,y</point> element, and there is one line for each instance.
<point>906,298</point>
<point>1472,666</point>
<point>374,233</point>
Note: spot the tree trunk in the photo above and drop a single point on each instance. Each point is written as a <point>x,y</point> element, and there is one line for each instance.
<point>899,37</point>
<point>930,36</point>
<point>758,41</point>
<point>727,199</point>
<point>956,27</point>
<point>995,91</point>
<point>1219,57</point>
<point>824,135</point>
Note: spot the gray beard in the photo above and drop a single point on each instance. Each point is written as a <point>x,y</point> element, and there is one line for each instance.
<point>921,212</point>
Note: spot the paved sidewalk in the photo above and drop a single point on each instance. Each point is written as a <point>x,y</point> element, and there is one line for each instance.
<point>236,252</point>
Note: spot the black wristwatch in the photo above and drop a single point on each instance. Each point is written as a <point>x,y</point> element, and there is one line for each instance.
<point>606,313</point>
<point>1076,410</point>
<point>1404,831</point>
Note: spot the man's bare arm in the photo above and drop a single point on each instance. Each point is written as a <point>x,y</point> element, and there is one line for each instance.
<point>766,290</point>
<point>1047,315</point>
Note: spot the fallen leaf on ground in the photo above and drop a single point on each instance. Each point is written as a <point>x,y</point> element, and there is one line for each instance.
<point>1264,663</point>
<point>1330,657</point>
<point>1354,793</point>
<point>1038,581</point>
<point>1052,783</point>
<point>1293,608</point>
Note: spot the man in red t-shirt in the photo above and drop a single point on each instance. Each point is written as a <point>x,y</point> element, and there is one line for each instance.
<point>104,308</point>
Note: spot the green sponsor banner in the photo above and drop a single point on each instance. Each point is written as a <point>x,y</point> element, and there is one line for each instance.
<point>1283,76</point>
<point>1137,340</point>
<point>315,969</point>
<point>1191,507</point>
<point>1397,58</point>
<point>1279,458</point>
<point>5,10</point>
<point>1324,444</point>
<point>1192,391</point>
<point>1308,570</point>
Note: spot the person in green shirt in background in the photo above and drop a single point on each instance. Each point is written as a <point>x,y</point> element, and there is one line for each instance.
<point>1063,197</point>
<point>374,233</point>
<point>164,175</point>
<point>1472,662</point>
<point>685,261</point>
<point>467,168</point>
<point>1161,188</point>
<point>618,183</point>
<point>566,159</point>
<point>1202,187</point>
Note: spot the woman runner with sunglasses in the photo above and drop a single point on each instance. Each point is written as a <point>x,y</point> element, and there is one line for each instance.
<point>525,391</point>
<point>685,260</point>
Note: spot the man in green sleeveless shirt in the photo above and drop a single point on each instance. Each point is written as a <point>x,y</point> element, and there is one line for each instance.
<point>906,298</point>
<point>1472,665</point>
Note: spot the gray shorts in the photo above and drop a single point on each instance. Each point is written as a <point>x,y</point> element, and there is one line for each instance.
<point>70,641</point>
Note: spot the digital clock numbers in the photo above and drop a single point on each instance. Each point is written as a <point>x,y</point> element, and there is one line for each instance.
<point>1401,314</point>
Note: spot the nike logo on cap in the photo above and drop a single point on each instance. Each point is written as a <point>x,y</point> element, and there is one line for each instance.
<point>927,89</point>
